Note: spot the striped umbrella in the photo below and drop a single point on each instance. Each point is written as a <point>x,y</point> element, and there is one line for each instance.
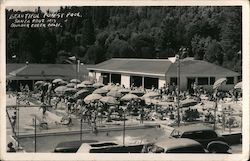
<point>238,86</point>
<point>220,82</point>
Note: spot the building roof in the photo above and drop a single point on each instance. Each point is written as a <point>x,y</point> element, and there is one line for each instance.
<point>43,71</point>
<point>199,68</point>
<point>162,67</point>
<point>153,67</point>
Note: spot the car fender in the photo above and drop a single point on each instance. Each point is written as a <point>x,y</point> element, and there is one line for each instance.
<point>218,147</point>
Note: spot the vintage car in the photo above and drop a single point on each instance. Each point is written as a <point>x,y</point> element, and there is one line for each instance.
<point>109,147</point>
<point>70,146</point>
<point>181,145</point>
<point>206,136</point>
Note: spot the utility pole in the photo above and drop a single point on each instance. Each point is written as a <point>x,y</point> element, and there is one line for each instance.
<point>81,130</point>
<point>35,133</point>
<point>178,91</point>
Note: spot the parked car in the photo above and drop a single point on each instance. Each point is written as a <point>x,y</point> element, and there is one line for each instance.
<point>71,146</point>
<point>206,136</point>
<point>109,147</point>
<point>180,145</point>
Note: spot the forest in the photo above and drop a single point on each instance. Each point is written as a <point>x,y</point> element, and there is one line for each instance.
<point>211,33</point>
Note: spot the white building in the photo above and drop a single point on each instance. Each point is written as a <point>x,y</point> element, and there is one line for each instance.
<point>157,72</point>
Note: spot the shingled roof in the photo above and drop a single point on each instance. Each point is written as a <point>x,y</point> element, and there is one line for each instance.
<point>199,68</point>
<point>154,67</point>
<point>42,71</point>
<point>162,67</point>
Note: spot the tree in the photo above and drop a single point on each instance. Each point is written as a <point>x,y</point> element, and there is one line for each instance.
<point>214,53</point>
<point>120,49</point>
<point>143,45</point>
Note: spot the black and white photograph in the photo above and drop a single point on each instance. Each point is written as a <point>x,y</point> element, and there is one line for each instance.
<point>165,79</point>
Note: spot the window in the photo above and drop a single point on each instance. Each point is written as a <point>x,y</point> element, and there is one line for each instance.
<point>202,81</point>
<point>230,80</point>
<point>212,80</point>
<point>173,80</point>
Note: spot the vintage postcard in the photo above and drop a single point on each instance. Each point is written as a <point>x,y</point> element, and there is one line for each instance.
<point>114,80</point>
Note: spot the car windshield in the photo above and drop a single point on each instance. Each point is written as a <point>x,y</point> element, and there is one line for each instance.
<point>176,133</point>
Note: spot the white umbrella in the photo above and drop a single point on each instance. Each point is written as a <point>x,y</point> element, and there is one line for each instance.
<point>137,92</point>
<point>63,82</point>
<point>109,100</point>
<point>238,86</point>
<point>114,94</point>
<point>81,86</point>
<point>60,89</point>
<point>70,91</point>
<point>71,85</point>
<point>92,97</point>
<point>75,81</point>
<point>115,88</point>
<point>81,93</point>
<point>98,85</point>
<point>39,83</point>
<point>57,80</point>
<point>87,82</point>
<point>188,102</point>
<point>124,90</point>
<point>151,95</point>
<point>107,87</point>
<point>100,91</point>
<point>129,97</point>
<point>219,82</point>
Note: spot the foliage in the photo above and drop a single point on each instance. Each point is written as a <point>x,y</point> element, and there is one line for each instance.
<point>212,33</point>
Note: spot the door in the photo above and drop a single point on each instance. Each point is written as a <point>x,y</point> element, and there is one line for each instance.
<point>190,81</point>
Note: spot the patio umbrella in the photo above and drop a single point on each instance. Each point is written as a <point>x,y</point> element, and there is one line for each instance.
<point>139,93</point>
<point>100,91</point>
<point>57,80</point>
<point>114,94</point>
<point>38,83</point>
<point>75,81</point>
<point>151,95</point>
<point>71,85</point>
<point>70,91</point>
<point>109,100</point>
<point>63,82</point>
<point>81,86</point>
<point>238,86</point>
<point>107,87</point>
<point>98,85</point>
<point>219,83</point>
<point>115,88</point>
<point>81,93</point>
<point>92,97</point>
<point>87,82</point>
<point>129,97</point>
<point>124,90</point>
<point>188,102</point>
<point>60,89</point>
